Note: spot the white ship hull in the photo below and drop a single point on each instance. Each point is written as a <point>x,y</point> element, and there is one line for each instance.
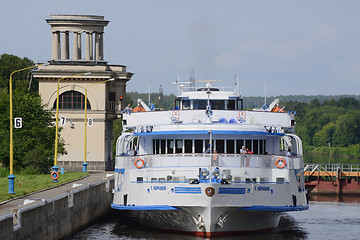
<point>236,221</point>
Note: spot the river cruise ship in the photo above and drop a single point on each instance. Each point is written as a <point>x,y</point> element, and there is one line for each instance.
<point>208,167</point>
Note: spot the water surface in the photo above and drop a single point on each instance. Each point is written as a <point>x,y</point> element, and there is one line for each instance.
<point>328,217</point>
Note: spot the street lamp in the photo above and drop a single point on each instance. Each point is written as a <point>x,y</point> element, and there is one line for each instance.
<point>85,137</point>
<point>11,177</point>
<point>55,174</point>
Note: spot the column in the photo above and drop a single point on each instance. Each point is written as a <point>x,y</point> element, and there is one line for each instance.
<point>101,41</point>
<point>65,46</point>
<point>79,45</point>
<point>55,45</point>
<point>75,47</point>
<point>91,47</point>
<point>97,46</point>
<point>87,46</point>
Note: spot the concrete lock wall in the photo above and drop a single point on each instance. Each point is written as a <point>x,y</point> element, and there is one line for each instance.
<point>59,216</point>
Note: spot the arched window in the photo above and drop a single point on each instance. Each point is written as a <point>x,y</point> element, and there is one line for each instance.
<point>72,100</point>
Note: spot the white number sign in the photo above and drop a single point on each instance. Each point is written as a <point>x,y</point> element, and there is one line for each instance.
<point>90,122</point>
<point>18,122</point>
<point>62,120</point>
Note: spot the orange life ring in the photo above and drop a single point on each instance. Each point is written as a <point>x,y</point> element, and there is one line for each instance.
<point>280,163</point>
<point>209,191</point>
<point>56,175</point>
<point>142,163</point>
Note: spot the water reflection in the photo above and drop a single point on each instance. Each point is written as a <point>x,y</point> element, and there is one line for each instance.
<point>326,159</point>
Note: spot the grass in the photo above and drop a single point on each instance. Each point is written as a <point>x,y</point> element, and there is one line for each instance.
<point>32,183</point>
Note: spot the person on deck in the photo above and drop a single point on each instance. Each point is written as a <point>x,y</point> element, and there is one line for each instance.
<point>128,109</point>
<point>243,150</point>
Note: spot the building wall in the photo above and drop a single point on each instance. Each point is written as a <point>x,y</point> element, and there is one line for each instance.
<point>62,68</point>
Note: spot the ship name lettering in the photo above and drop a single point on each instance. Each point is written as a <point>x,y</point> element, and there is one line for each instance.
<point>161,188</point>
<point>262,188</point>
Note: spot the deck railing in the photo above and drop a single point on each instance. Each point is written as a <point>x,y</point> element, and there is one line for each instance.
<point>210,161</point>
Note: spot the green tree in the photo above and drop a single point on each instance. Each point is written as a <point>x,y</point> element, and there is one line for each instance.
<point>34,142</point>
<point>325,136</point>
<point>347,129</point>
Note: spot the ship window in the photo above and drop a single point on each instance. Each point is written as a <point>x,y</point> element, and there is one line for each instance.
<point>256,146</point>
<point>220,146</point>
<point>207,146</point>
<point>186,104</point>
<point>179,145</point>
<point>248,144</point>
<point>230,146</point>
<point>217,104</point>
<point>162,146</point>
<point>170,146</point>
<point>231,104</point>
<point>239,144</point>
<point>261,146</point>
<point>199,104</point>
<point>188,146</point>
<point>199,145</point>
<point>157,146</point>
<point>240,104</point>
<point>265,152</point>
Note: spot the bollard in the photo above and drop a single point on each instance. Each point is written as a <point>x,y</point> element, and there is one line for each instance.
<point>62,170</point>
<point>85,166</point>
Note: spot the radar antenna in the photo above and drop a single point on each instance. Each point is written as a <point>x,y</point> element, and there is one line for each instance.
<point>192,80</point>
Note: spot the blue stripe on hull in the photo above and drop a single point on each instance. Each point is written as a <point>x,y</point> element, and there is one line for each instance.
<point>195,190</point>
<point>276,208</point>
<point>143,208</point>
<point>232,190</point>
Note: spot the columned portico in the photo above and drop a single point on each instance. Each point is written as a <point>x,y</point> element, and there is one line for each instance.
<point>91,26</point>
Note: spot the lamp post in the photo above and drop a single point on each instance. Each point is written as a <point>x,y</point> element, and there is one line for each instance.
<point>85,137</point>
<point>11,177</point>
<point>55,174</point>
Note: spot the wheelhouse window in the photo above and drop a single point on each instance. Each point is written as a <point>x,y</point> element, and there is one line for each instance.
<point>186,104</point>
<point>217,104</point>
<point>231,104</point>
<point>72,100</point>
<point>199,104</point>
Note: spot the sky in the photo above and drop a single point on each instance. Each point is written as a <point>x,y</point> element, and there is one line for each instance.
<point>291,47</point>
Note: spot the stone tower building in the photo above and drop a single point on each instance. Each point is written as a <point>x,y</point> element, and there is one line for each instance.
<point>103,99</point>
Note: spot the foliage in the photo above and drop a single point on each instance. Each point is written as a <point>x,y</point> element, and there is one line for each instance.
<point>33,144</point>
<point>165,102</point>
<point>117,130</point>
<point>31,183</point>
<point>331,127</point>
<point>10,63</point>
